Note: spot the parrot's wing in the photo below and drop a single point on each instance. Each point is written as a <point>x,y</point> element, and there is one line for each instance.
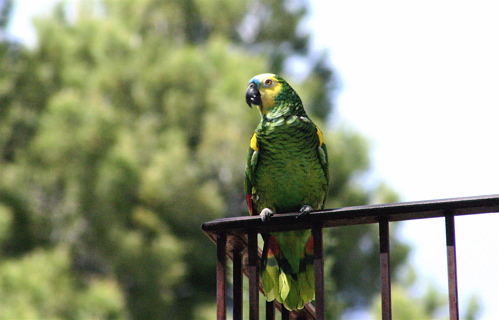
<point>250,171</point>
<point>322,152</point>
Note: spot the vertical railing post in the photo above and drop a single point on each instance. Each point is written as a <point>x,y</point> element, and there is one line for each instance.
<point>221,274</point>
<point>451,266</point>
<point>237,285</point>
<point>384,244</point>
<point>253,274</point>
<point>319,272</point>
<point>269,310</point>
<point>284,313</point>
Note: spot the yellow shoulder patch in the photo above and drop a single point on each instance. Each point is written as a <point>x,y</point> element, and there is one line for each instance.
<point>321,137</point>
<point>253,144</point>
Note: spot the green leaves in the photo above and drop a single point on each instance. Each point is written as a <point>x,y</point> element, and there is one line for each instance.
<point>41,285</point>
<point>123,130</point>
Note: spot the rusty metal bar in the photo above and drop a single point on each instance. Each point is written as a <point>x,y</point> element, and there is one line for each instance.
<point>284,313</point>
<point>237,286</point>
<point>384,245</point>
<point>319,272</point>
<point>451,266</point>
<point>221,272</point>
<point>269,310</point>
<point>357,215</point>
<point>253,274</point>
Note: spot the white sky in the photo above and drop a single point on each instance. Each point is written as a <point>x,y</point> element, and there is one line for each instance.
<point>421,81</point>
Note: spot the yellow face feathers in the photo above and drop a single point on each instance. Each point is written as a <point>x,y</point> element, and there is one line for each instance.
<point>268,86</point>
<point>269,89</point>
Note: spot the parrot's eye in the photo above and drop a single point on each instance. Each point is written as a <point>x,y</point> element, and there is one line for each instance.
<point>268,82</point>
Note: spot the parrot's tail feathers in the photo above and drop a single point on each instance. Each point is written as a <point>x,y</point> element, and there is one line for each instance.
<point>270,280</point>
<point>292,299</point>
<point>269,285</point>
<point>270,269</point>
<point>306,283</point>
<point>306,277</point>
<point>293,290</point>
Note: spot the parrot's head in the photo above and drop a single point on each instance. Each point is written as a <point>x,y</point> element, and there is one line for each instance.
<point>271,93</point>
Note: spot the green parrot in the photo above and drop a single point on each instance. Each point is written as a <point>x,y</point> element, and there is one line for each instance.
<point>286,171</point>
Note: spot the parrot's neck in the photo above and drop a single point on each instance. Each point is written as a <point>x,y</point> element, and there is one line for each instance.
<point>284,111</point>
<point>285,104</point>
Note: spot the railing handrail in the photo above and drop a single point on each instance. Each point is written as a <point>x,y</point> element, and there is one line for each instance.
<point>399,211</point>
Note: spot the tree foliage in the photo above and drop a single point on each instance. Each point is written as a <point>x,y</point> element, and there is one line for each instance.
<point>125,128</point>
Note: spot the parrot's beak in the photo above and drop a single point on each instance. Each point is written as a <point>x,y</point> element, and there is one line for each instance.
<point>253,95</point>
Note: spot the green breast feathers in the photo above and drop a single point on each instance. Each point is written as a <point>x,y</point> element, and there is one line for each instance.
<point>287,159</point>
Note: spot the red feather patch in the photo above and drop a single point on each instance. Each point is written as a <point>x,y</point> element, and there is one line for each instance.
<point>249,201</point>
<point>273,247</point>
<point>309,246</point>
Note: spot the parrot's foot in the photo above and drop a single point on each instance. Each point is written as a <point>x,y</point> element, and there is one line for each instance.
<point>304,210</point>
<point>266,214</point>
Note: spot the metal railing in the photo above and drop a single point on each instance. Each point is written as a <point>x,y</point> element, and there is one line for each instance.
<point>236,238</point>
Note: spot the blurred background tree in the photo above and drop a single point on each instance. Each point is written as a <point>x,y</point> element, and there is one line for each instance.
<point>125,128</point>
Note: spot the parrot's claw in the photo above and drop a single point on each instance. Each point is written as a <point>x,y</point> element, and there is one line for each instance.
<point>266,214</point>
<point>304,210</point>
